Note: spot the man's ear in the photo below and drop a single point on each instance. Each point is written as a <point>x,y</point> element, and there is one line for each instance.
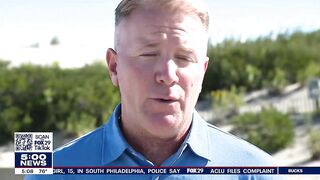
<point>111,59</point>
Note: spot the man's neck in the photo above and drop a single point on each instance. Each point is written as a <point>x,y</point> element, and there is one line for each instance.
<point>156,150</point>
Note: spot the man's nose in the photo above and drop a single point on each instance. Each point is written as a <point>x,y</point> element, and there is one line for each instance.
<point>166,73</point>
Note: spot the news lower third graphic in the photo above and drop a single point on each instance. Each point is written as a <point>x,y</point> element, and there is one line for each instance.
<point>34,155</point>
<point>33,152</point>
<point>169,170</point>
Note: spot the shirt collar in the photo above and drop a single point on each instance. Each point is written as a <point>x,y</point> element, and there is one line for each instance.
<point>198,139</point>
<point>114,143</point>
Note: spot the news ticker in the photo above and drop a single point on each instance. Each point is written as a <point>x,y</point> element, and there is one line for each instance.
<point>33,155</point>
<point>174,170</point>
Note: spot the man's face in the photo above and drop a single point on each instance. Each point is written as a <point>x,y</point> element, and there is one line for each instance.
<point>159,67</point>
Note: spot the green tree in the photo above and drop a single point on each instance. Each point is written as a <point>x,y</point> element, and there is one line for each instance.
<point>48,98</point>
<point>264,62</point>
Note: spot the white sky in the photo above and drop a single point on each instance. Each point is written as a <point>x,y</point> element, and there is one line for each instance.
<point>85,27</point>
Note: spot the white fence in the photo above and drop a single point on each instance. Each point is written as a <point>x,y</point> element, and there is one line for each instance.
<point>294,99</point>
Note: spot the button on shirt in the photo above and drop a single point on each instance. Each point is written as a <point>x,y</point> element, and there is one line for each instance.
<point>205,145</point>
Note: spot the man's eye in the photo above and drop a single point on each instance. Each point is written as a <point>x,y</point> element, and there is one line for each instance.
<point>184,58</point>
<point>149,55</point>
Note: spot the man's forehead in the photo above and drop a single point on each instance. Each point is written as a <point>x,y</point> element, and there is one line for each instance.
<point>148,27</point>
<point>145,42</point>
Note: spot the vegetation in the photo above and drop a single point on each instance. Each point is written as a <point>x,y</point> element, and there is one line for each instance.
<point>36,98</point>
<point>314,144</point>
<point>264,62</point>
<point>226,103</point>
<point>270,130</point>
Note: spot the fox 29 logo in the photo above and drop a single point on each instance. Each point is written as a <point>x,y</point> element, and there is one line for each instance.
<point>33,159</point>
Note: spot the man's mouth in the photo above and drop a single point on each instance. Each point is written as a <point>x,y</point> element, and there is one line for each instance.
<point>166,100</point>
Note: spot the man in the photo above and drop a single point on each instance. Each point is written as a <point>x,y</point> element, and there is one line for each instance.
<point>158,63</point>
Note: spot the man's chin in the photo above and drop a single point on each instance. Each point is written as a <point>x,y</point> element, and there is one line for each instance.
<point>164,124</point>
<point>164,119</point>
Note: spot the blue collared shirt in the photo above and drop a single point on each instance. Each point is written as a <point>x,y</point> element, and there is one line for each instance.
<point>205,145</point>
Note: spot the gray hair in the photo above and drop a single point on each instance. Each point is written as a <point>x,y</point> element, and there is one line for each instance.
<point>196,7</point>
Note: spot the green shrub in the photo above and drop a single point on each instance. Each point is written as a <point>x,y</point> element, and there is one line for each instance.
<point>48,98</point>
<point>314,144</point>
<point>270,130</point>
<point>227,101</point>
<point>232,98</point>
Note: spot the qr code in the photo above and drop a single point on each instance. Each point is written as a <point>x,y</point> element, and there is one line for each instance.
<point>24,142</point>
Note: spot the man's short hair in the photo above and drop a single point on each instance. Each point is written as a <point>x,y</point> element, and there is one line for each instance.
<point>193,7</point>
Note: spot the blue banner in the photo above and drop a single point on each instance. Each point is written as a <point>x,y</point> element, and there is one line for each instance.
<point>299,170</point>
<point>186,170</point>
<point>33,159</point>
<point>165,170</point>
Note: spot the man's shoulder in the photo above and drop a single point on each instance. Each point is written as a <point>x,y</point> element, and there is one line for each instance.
<point>82,150</point>
<point>236,150</point>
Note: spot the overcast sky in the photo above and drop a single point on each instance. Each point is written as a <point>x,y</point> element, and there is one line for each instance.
<point>89,23</point>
